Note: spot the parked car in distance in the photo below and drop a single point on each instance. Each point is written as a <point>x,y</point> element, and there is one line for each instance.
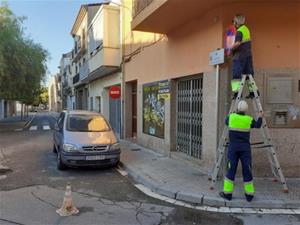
<point>84,138</point>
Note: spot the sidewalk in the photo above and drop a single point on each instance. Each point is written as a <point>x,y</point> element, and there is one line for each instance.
<point>15,122</point>
<point>178,180</point>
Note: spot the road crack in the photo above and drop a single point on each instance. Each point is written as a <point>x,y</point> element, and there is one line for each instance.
<point>42,200</point>
<point>10,221</point>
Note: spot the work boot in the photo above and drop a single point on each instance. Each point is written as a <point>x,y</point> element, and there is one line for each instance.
<point>226,196</point>
<point>249,197</point>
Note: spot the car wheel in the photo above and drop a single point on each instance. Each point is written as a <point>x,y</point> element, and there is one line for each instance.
<point>54,148</point>
<point>60,164</point>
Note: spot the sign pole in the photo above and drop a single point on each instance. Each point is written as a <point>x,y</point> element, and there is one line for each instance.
<point>215,59</point>
<point>217,104</point>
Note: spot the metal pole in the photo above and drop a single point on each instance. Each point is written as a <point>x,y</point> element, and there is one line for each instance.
<point>217,106</point>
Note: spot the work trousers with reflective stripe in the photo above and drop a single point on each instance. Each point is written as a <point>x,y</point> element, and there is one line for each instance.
<point>240,67</point>
<point>236,152</point>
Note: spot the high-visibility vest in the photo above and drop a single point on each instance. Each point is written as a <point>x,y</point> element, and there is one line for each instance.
<point>246,33</point>
<point>239,122</point>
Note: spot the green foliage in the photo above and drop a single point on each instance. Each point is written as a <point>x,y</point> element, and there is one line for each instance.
<point>22,62</point>
<point>44,96</point>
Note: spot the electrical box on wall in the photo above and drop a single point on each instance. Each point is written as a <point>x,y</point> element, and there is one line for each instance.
<point>280,90</point>
<point>282,100</point>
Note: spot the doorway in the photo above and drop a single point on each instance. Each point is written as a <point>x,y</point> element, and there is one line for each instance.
<point>189,116</point>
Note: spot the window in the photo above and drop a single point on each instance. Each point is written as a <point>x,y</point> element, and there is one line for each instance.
<point>87,123</point>
<point>91,104</point>
<point>95,33</point>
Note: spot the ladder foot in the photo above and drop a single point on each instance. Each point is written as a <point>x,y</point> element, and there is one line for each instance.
<point>209,178</point>
<point>285,190</point>
<point>211,188</point>
<point>275,180</point>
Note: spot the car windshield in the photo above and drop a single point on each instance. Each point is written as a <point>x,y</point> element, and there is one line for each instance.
<point>87,123</point>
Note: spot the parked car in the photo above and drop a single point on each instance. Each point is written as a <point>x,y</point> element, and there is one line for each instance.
<point>83,138</point>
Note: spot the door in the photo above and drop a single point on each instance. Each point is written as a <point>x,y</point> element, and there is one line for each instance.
<point>189,117</point>
<point>134,109</point>
<point>115,115</point>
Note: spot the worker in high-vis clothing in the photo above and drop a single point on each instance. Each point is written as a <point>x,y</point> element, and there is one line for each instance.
<point>241,56</point>
<point>239,148</point>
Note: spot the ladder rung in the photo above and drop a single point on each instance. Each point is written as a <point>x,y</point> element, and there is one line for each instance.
<point>257,143</point>
<point>264,146</point>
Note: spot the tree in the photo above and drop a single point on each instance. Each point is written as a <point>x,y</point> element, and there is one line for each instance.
<point>42,98</point>
<point>22,62</point>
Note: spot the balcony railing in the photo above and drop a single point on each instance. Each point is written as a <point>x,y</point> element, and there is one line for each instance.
<point>79,50</point>
<point>140,5</point>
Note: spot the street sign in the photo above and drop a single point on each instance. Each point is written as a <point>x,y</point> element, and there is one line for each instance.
<point>115,92</point>
<point>216,57</point>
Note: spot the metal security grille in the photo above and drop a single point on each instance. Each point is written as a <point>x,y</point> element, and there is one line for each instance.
<point>189,117</point>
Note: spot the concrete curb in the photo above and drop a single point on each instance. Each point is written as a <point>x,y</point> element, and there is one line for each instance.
<point>205,200</point>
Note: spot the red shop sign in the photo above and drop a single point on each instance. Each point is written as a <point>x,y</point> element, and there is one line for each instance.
<point>115,92</point>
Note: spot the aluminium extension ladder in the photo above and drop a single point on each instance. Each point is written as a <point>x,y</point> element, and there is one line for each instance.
<point>267,143</point>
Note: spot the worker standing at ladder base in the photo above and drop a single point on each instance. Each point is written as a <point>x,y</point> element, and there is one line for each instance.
<point>239,148</point>
<point>242,56</point>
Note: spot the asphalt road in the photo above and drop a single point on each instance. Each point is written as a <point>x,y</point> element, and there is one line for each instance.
<point>33,189</point>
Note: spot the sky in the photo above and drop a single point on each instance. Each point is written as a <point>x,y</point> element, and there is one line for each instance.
<point>49,22</point>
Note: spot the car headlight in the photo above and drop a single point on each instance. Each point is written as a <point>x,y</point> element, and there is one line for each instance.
<point>69,148</point>
<point>115,146</point>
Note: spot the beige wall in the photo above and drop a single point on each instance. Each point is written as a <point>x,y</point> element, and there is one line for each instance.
<point>275,31</point>
<point>184,51</point>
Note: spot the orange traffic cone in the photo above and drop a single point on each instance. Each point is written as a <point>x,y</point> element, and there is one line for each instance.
<point>67,208</point>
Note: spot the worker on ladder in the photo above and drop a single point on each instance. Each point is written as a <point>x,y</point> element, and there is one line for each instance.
<point>239,148</point>
<point>242,56</point>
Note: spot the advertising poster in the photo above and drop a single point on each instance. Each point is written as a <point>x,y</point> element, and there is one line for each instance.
<point>154,96</point>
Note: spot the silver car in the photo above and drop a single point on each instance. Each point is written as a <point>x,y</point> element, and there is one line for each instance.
<point>83,138</point>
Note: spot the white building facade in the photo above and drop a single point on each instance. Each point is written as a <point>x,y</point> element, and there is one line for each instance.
<point>54,92</point>
<point>67,88</point>
<point>96,60</point>
<point>104,64</point>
